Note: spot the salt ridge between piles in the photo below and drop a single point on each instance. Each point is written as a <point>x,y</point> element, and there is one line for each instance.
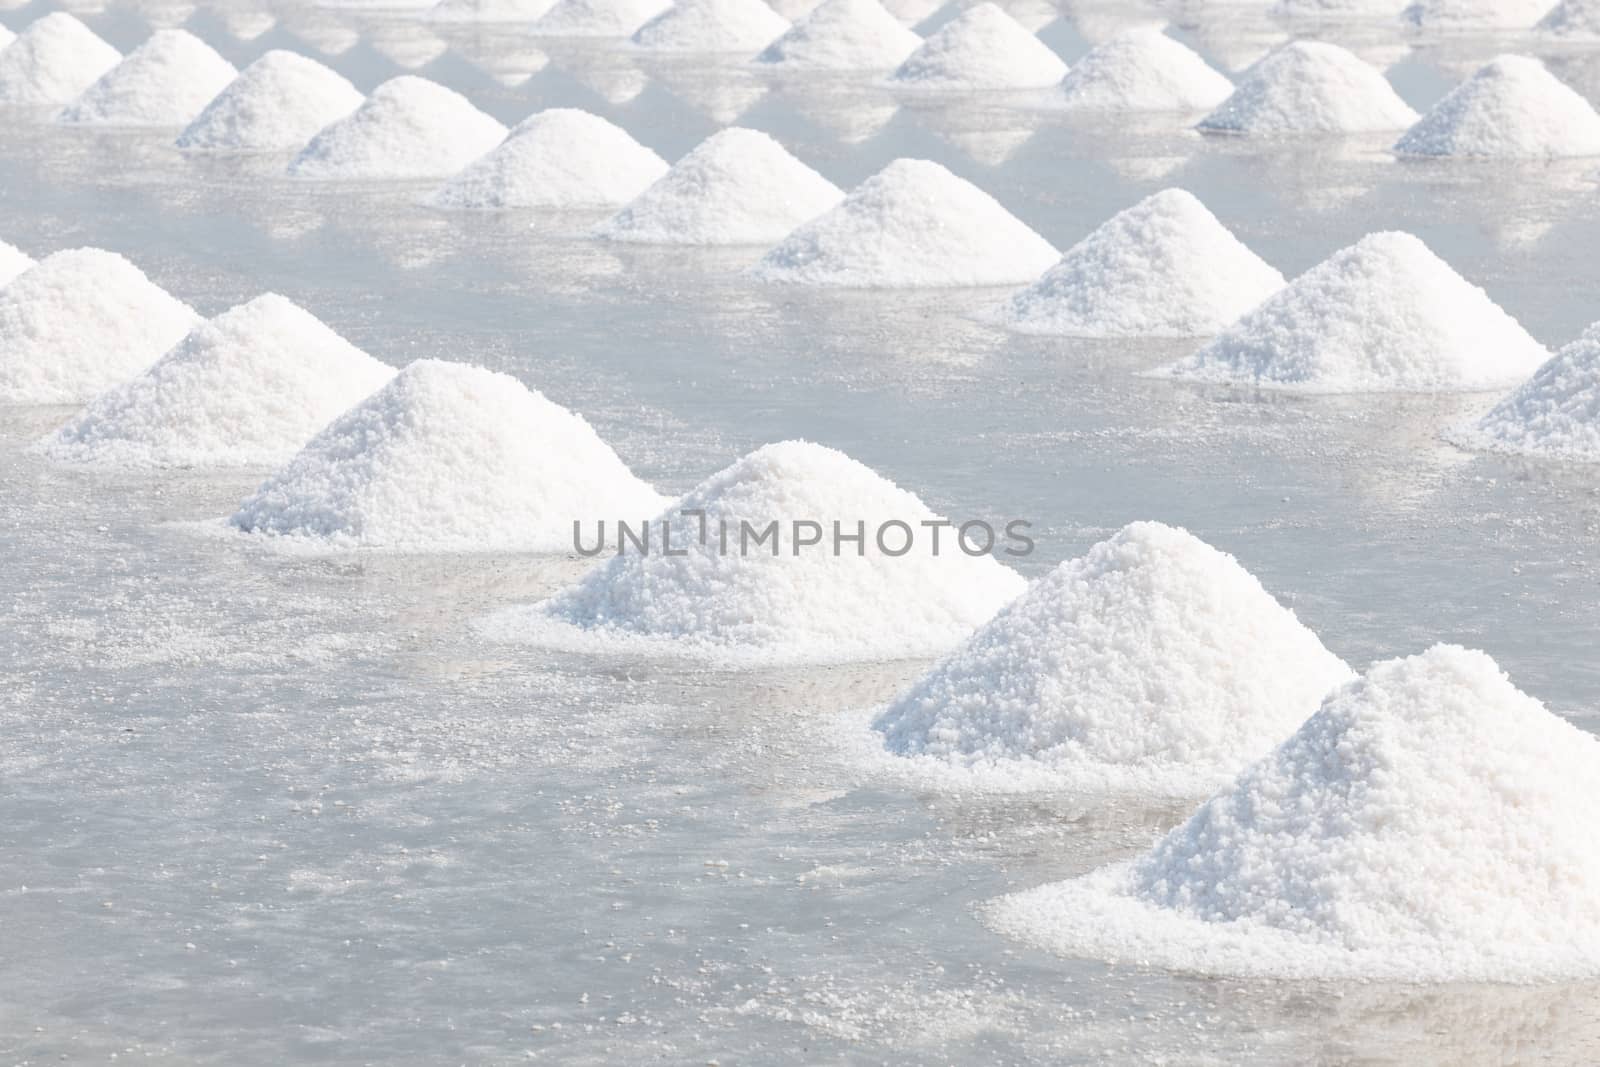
<point>1553,415</point>
<point>1310,87</point>
<point>1572,18</point>
<point>53,60</point>
<point>1430,823</point>
<point>80,321</point>
<point>738,186</point>
<point>1512,108</point>
<point>409,127</point>
<point>843,35</point>
<point>166,81</point>
<point>1143,70</point>
<point>1383,315</point>
<point>982,48</point>
<point>1476,14</point>
<point>278,102</point>
<point>248,387</point>
<point>1163,268</point>
<point>598,18</point>
<point>744,26</point>
<point>558,158</point>
<point>1152,662</point>
<point>759,608</point>
<point>448,457</point>
<point>13,261</point>
<point>913,224</point>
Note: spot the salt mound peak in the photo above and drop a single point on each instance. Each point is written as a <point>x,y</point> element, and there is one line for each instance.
<point>409,127</point>
<point>79,322</point>
<point>843,35</point>
<point>785,603</point>
<point>1512,108</point>
<point>598,18</point>
<point>913,224</point>
<point>743,26</point>
<point>1152,660</point>
<point>981,48</point>
<point>1431,822</point>
<point>6,36</point>
<point>1476,14</point>
<point>278,102</point>
<point>1310,87</point>
<point>53,60</point>
<point>247,387</point>
<point>1383,315</point>
<point>166,81</point>
<point>1572,18</point>
<point>1553,415</point>
<point>1165,267</point>
<point>738,186</point>
<point>1143,70</point>
<point>558,158</point>
<point>489,10</point>
<point>13,261</point>
<point>448,457</point>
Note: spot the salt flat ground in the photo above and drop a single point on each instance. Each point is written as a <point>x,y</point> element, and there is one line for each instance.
<point>257,808</point>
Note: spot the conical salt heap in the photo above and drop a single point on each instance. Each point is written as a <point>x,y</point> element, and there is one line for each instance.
<point>1430,823</point>
<point>1383,315</point>
<point>1572,18</point>
<point>598,18</point>
<point>1163,268</point>
<point>1143,70</point>
<point>52,61</point>
<point>779,601</point>
<point>982,48</point>
<point>13,261</point>
<point>79,322</point>
<point>1310,87</point>
<point>166,81</point>
<point>736,187</point>
<point>247,387</point>
<point>843,35</point>
<point>408,128</point>
<point>448,457</point>
<point>276,103</point>
<point>1153,661</point>
<point>1476,14</point>
<point>1512,108</point>
<point>558,158</point>
<point>913,224</point>
<point>741,26</point>
<point>1553,415</point>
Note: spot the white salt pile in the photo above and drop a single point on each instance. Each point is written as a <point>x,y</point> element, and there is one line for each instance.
<point>1143,70</point>
<point>448,457</point>
<point>248,387</point>
<point>1553,415</point>
<point>743,26</point>
<point>787,600</point>
<point>1513,108</point>
<point>913,224</point>
<point>166,81</point>
<point>738,186</point>
<point>489,10</point>
<point>1152,662</point>
<point>13,261</point>
<point>1310,87</point>
<point>1572,18</point>
<point>843,35</point>
<point>1383,315</point>
<point>1165,267</point>
<point>408,128</point>
<point>982,48</point>
<point>279,102</point>
<point>79,322</point>
<point>559,158</point>
<point>53,60</point>
<point>1429,823</point>
<point>1476,14</point>
<point>598,18</point>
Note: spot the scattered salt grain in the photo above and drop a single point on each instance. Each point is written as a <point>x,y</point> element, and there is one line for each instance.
<point>843,35</point>
<point>1383,315</point>
<point>1512,108</point>
<point>52,61</point>
<point>913,224</point>
<point>13,261</point>
<point>408,128</point>
<point>1553,415</point>
<point>1143,70</point>
<point>278,102</point>
<point>79,322</point>
<point>743,26</point>
<point>1310,87</point>
<point>790,604</point>
<point>447,457</point>
<point>1165,267</point>
<point>166,81</point>
<point>738,186</point>
<point>247,387</point>
<point>983,48</point>
<point>559,158</point>
<point>598,18</point>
